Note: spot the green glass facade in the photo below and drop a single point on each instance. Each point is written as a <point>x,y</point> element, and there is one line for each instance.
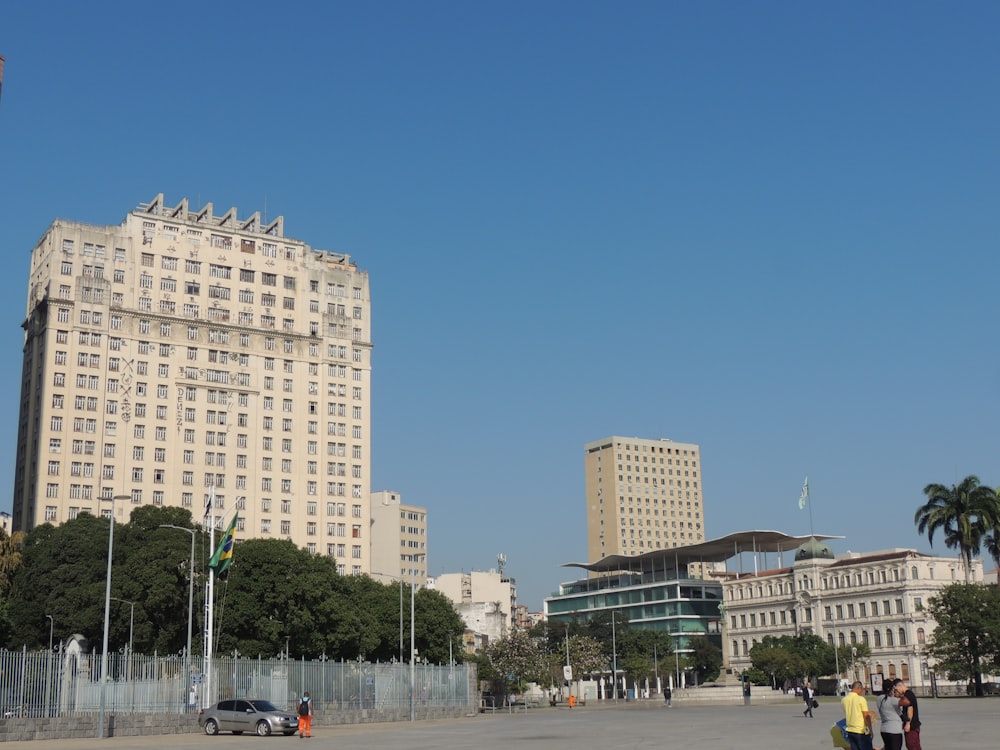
<point>683,607</point>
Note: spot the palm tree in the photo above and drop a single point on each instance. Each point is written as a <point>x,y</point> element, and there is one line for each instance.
<point>964,512</point>
<point>991,544</point>
<point>10,557</point>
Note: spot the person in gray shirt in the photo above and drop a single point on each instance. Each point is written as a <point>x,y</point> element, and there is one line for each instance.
<point>891,726</point>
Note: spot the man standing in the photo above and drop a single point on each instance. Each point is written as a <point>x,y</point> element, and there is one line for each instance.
<point>911,716</point>
<point>858,717</point>
<point>305,716</point>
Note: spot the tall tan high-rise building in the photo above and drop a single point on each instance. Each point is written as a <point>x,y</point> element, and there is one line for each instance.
<point>642,495</point>
<point>398,539</point>
<point>184,352</point>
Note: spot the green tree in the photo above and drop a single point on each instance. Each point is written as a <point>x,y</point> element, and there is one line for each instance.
<point>10,558</point>
<point>789,657</point>
<point>72,560</point>
<point>964,512</point>
<point>966,641</point>
<point>991,544</point>
<point>705,658</point>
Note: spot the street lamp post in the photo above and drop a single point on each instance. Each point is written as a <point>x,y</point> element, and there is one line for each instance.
<point>614,659</point>
<point>187,654</point>
<point>413,638</point>
<point>131,621</point>
<point>128,668</point>
<point>107,616</point>
<point>48,670</point>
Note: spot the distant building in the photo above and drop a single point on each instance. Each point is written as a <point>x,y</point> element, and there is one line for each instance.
<point>663,590</point>
<point>486,601</point>
<point>398,539</point>
<point>877,598</point>
<point>183,355</point>
<point>642,495</point>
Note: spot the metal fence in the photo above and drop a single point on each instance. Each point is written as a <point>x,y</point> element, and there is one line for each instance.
<point>67,684</point>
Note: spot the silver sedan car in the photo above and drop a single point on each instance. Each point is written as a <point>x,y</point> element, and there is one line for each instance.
<point>246,715</point>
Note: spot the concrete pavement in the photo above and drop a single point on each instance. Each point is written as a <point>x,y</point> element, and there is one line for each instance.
<point>950,724</point>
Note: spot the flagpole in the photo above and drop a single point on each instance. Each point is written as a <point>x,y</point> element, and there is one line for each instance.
<point>809,503</point>
<point>206,700</point>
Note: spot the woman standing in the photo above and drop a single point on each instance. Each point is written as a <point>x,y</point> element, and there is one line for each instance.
<point>888,713</point>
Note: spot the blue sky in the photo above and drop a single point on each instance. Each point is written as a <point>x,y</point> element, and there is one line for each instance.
<point>767,228</point>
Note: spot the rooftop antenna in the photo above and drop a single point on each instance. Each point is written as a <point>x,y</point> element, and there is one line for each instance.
<point>501,562</point>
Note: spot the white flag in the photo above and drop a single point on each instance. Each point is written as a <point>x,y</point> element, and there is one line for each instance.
<point>804,495</point>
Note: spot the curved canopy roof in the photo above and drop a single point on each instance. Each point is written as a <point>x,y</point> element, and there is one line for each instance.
<point>714,550</point>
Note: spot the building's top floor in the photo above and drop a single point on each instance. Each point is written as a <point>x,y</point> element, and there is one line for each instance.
<point>180,223</point>
<point>637,444</point>
<point>848,574</point>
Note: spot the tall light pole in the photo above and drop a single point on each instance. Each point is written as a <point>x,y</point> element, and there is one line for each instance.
<point>614,658</point>
<point>413,638</point>
<point>107,616</point>
<point>131,621</point>
<point>128,668</point>
<point>48,670</point>
<point>187,654</point>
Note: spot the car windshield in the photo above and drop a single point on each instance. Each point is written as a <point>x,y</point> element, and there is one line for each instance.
<point>263,705</point>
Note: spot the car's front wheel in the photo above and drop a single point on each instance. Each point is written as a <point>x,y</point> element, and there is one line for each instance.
<point>211,727</point>
<point>263,728</point>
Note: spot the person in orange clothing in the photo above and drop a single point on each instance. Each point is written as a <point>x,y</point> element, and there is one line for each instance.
<point>305,716</point>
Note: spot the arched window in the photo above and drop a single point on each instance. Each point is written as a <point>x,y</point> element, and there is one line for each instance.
<point>878,641</point>
<point>914,573</point>
<point>904,672</point>
<point>920,635</point>
<point>840,638</point>
<point>864,637</point>
<point>888,637</point>
<point>746,651</point>
<point>902,636</point>
<point>854,637</point>
<point>736,648</point>
<point>829,638</point>
<point>892,671</point>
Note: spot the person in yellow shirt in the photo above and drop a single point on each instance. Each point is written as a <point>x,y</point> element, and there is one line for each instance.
<point>858,717</point>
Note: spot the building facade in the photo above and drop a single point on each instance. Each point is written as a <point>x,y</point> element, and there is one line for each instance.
<point>877,599</point>
<point>642,495</point>
<point>184,355</point>
<point>398,538</point>
<point>485,600</point>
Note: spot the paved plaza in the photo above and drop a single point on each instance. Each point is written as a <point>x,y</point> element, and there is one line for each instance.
<point>951,724</point>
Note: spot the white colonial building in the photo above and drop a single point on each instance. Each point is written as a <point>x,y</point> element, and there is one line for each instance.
<point>878,599</point>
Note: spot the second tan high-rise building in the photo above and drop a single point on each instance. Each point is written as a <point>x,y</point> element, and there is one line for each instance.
<point>642,495</point>
<point>184,355</point>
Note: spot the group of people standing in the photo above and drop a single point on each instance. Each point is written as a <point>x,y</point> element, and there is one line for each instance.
<point>898,715</point>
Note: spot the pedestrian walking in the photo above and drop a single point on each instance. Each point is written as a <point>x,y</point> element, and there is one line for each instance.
<point>305,715</point>
<point>668,696</point>
<point>807,696</point>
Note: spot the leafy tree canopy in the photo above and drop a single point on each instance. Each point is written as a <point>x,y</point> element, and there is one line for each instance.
<point>966,641</point>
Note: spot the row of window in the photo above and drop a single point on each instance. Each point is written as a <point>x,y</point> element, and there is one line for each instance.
<point>194,266</point>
